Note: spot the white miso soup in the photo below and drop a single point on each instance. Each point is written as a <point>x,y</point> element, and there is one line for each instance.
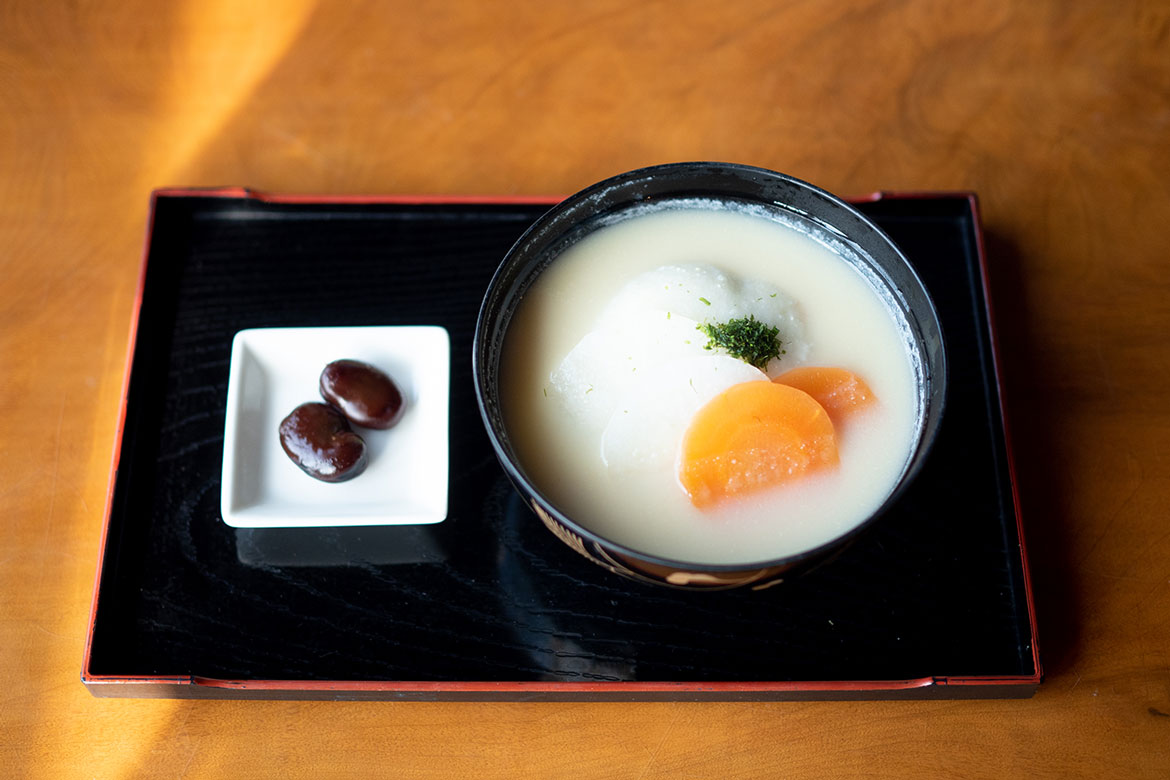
<point>606,364</point>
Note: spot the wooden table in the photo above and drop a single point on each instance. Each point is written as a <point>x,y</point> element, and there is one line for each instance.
<point>1057,114</point>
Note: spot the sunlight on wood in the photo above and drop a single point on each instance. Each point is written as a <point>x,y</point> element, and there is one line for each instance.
<point>225,50</point>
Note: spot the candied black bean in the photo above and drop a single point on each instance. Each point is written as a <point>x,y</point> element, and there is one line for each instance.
<point>318,438</point>
<point>363,393</point>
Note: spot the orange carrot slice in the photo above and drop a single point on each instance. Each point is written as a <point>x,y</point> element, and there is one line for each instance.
<point>840,391</point>
<point>753,436</point>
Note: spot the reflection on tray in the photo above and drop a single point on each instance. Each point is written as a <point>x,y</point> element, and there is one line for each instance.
<point>560,649</point>
<point>347,546</point>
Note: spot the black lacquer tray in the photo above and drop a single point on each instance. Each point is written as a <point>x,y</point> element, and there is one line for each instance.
<point>934,602</point>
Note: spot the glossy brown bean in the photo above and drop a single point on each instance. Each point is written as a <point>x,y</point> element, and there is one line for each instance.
<point>363,393</point>
<point>318,438</point>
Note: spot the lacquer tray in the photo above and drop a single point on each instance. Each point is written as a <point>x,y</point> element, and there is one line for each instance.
<point>934,602</point>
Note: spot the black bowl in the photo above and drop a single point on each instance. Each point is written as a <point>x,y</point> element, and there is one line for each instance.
<point>826,218</point>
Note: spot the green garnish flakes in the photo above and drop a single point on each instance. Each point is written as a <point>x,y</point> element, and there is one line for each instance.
<point>745,338</point>
<point>704,300</point>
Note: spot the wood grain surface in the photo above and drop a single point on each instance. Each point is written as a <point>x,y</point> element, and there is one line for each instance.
<point>1056,113</point>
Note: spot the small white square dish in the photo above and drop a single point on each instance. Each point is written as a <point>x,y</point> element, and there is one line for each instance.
<point>274,370</point>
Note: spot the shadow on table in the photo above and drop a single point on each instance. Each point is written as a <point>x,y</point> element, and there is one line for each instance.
<point>1033,420</point>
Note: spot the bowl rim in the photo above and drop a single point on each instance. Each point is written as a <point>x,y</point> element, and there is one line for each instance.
<point>923,443</point>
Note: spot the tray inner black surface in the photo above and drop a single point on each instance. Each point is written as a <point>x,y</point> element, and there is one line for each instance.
<point>935,590</point>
